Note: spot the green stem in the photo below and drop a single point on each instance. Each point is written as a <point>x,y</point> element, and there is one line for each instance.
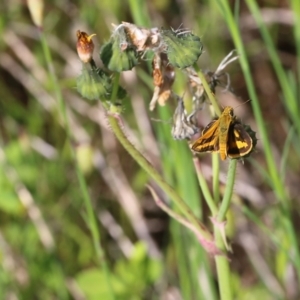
<point>228,190</point>
<point>204,188</point>
<point>208,91</point>
<point>140,159</point>
<point>115,88</point>
<point>169,211</point>
<point>216,175</point>
<point>223,271</point>
<point>54,81</point>
<point>295,4</point>
<point>222,263</point>
<point>139,12</point>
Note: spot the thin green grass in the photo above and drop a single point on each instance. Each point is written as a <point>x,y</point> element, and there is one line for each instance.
<point>234,30</point>
<point>90,218</point>
<point>295,8</point>
<point>290,99</point>
<point>276,180</point>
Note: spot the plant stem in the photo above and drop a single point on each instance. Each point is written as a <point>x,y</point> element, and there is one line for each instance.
<point>222,262</point>
<point>295,4</point>
<point>115,88</point>
<point>223,271</point>
<point>141,160</point>
<point>228,191</point>
<point>204,188</point>
<point>216,174</point>
<point>208,91</point>
<point>139,12</point>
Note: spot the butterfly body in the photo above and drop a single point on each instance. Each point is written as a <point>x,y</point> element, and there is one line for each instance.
<point>225,135</point>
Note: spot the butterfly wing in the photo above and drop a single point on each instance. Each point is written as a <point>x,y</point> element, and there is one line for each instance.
<point>239,141</point>
<point>209,141</point>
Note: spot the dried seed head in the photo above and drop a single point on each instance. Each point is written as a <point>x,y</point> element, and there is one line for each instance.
<point>137,35</point>
<point>196,88</point>
<point>143,39</point>
<point>183,127</point>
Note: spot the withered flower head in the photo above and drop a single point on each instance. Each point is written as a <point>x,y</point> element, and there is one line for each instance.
<point>183,126</point>
<point>137,35</point>
<point>163,78</point>
<point>196,88</point>
<point>213,79</point>
<point>142,38</point>
<point>85,46</point>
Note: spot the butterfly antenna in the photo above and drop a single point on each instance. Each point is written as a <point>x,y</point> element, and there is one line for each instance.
<point>243,103</point>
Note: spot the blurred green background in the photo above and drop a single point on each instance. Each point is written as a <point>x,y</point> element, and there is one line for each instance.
<point>46,246</point>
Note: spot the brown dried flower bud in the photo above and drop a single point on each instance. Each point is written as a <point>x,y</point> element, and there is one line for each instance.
<point>85,46</point>
<point>163,78</point>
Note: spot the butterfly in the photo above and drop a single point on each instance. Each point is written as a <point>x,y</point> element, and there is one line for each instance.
<point>227,136</point>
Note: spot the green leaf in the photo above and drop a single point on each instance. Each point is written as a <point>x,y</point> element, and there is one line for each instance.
<point>92,83</point>
<point>183,49</point>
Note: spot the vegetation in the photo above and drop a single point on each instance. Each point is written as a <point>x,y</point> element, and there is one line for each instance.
<point>101,196</point>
